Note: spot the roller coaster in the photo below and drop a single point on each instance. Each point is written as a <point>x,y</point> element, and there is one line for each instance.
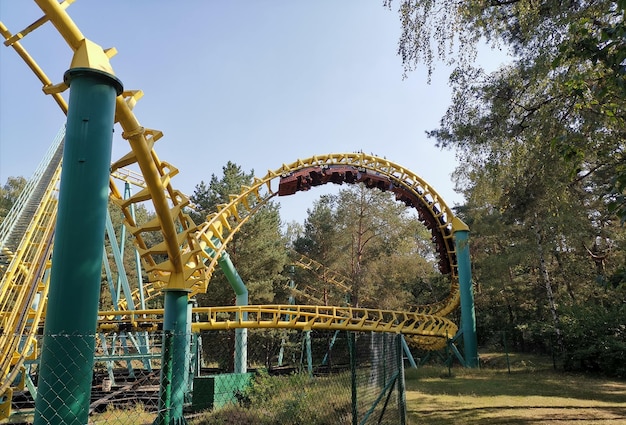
<point>189,253</point>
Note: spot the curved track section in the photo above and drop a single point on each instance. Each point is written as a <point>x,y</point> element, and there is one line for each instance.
<point>326,275</point>
<point>340,168</point>
<point>302,317</point>
<point>321,271</point>
<point>165,262</point>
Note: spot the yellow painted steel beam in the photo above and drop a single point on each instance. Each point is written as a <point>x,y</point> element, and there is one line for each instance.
<point>229,217</point>
<point>322,271</point>
<point>30,62</point>
<point>301,317</point>
<point>307,293</point>
<point>154,172</point>
<point>23,293</point>
<point>325,274</point>
<point>176,272</point>
<point>62,22</point>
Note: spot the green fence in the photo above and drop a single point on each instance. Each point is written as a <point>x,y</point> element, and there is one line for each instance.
<point>290,377</point>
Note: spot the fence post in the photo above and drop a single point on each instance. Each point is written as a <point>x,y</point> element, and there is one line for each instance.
<point>165,396</point>
<point>401,387</point>
<point>352,349</point>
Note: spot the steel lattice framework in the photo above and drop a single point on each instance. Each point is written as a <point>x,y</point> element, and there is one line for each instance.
<point>188,254</point>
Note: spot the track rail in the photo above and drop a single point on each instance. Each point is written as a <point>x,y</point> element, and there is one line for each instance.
<point>372,171</point>
<point>321,271</point>
<point>24,288</point>
<point>303,317</point>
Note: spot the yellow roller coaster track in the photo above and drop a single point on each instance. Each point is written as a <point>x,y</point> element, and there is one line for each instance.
<point>321,271</point>
<point>182,260</point>
<point>440,308</point>
<point>302,317</point>
<point>24,289</point>
<point>338,168</point>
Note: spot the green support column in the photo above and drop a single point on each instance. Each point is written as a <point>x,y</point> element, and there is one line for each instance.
<point>241,292</point>
<point>291,301</point>
<point>174,328</point>
<point>309,356</point>
<point>468,316</point>
<point>67,354</point>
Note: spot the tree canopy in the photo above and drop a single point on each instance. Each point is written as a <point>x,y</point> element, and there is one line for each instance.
<point>9,192</point>
<point>541,148</point>
<point>376,242</point>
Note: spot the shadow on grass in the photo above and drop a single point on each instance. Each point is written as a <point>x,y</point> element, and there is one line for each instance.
<point>518,416</point>
<point>527,378</point>
<point>533,393</point>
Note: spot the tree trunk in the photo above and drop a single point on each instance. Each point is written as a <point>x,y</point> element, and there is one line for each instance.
<point>548,285</point>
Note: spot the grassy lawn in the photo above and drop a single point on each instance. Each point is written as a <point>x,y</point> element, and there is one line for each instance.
<point>533,393</point>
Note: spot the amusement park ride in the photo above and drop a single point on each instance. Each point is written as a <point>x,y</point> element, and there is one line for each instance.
<point>40,277</point>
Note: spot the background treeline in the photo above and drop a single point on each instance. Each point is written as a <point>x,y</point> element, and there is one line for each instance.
<point>541,149</point>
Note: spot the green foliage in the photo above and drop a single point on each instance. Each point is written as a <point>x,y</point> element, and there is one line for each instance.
<point>293,399</point>
<point>290,400</point>
<point>433,30</point>
<point>9,193</point>
<point>257,251</point>
<point>206,198</point>
<point>541,149</point>
<point>259,254</point>
<point>596,337</point>
<point>376,242</point>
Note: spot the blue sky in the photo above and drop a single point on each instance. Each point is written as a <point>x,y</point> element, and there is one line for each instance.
<point>259,83</point>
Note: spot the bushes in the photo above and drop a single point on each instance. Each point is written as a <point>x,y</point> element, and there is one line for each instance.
<point>595,339</point>
<point>288,400</point>
<point>299,399</point>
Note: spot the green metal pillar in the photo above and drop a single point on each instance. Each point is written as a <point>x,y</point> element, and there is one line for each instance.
<point>468,315</point>
<point>241,292</point>
<point>291,301</point>
<point>69,335</point>
<point>309,356</point>
<point>175,328</point>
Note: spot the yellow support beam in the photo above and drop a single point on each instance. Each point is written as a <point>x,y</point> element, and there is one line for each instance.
<point>23,293</point>
<point>300,317</point>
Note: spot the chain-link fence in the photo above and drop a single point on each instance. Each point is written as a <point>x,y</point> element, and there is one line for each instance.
<point>222,377</point>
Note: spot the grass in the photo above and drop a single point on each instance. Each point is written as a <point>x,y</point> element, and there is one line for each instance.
<point>136,415</point>
<point>112,416</point>
<point>533,393</point>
